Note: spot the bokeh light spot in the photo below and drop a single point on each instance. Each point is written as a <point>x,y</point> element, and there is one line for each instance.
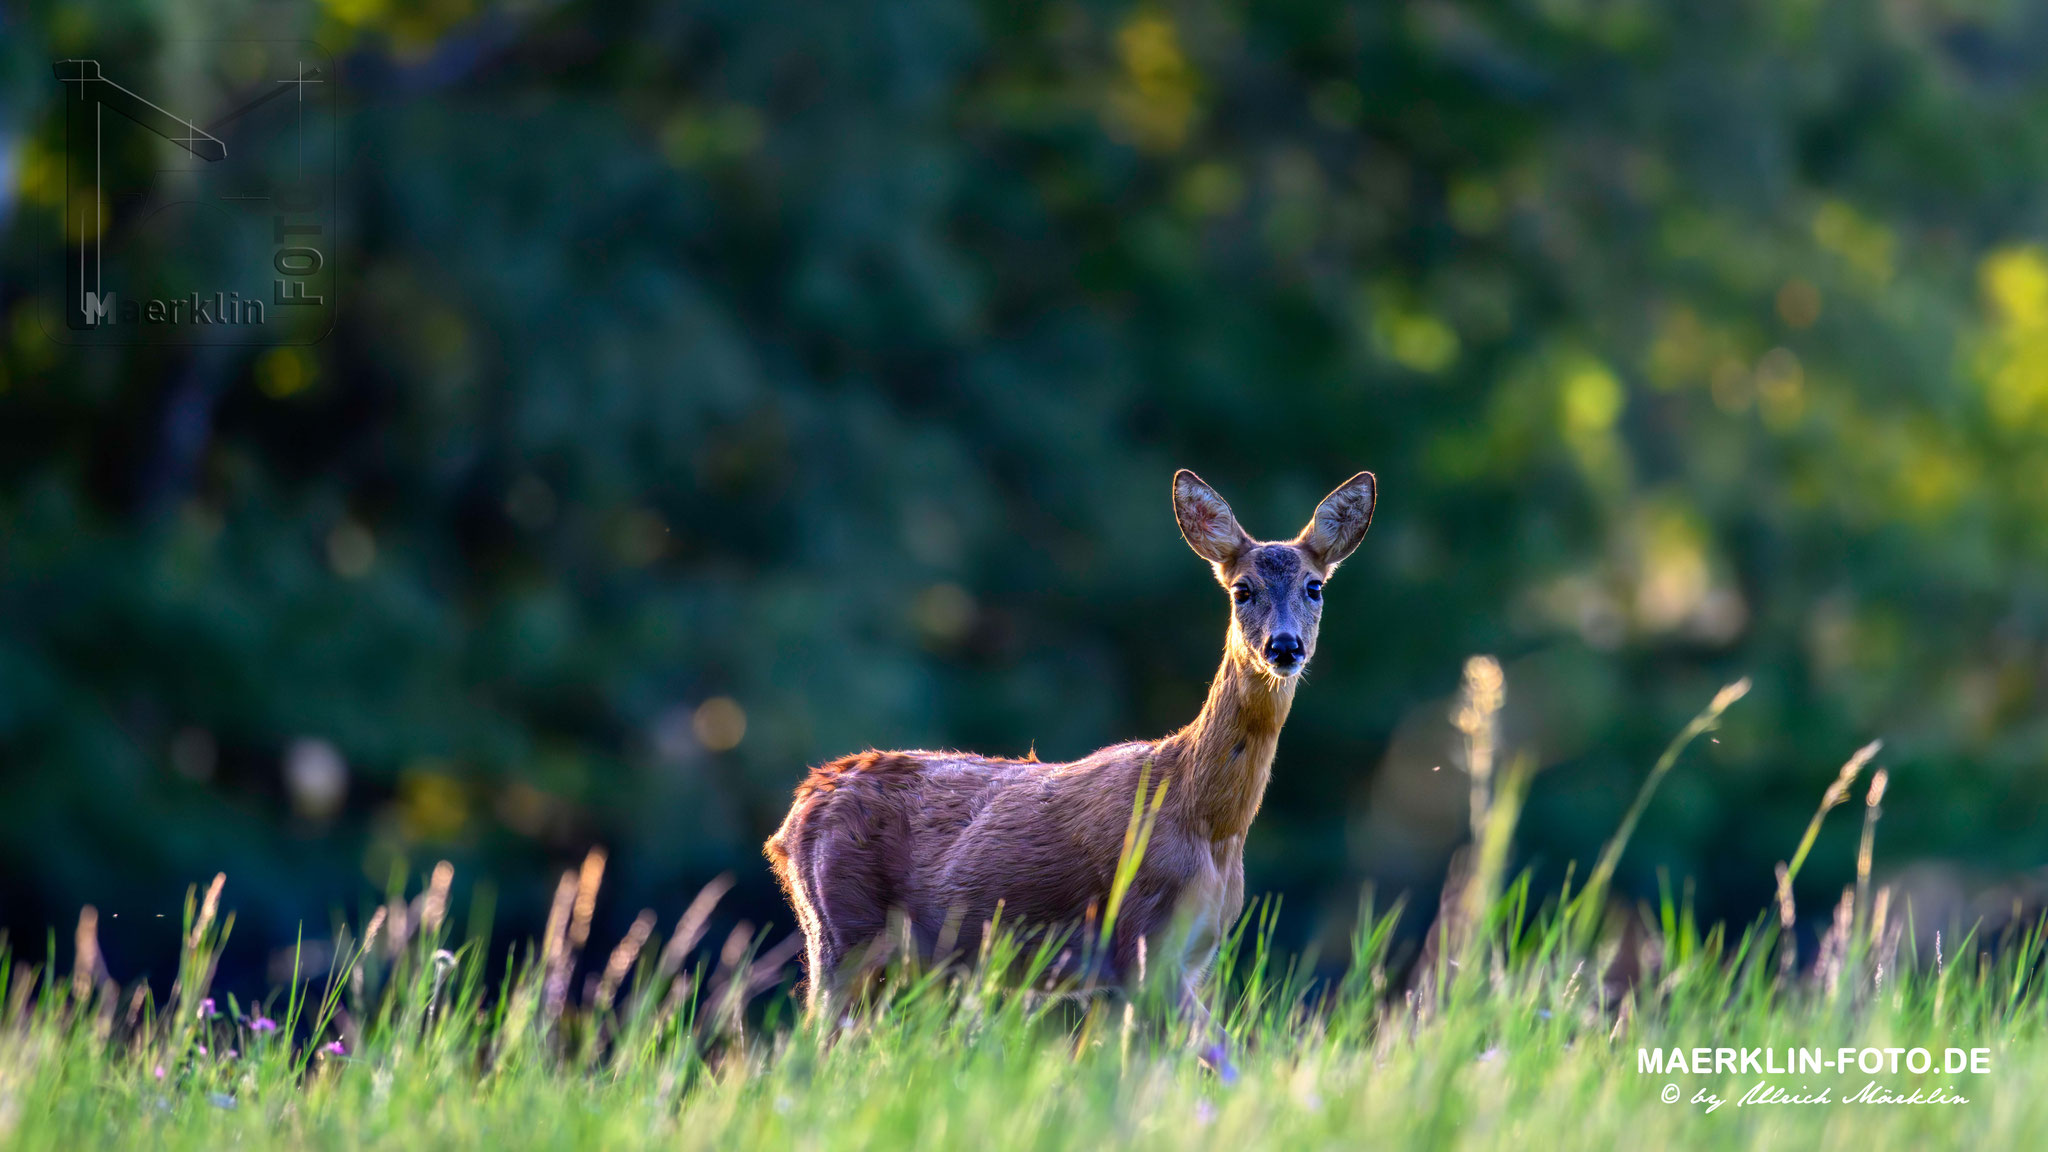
<point>719,724</point>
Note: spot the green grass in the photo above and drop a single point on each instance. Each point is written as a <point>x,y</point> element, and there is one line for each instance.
<point>1524,1036</point>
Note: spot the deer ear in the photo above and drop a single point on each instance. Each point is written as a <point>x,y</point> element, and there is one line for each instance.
<point>1206,521</point>
<point>1341,520</point>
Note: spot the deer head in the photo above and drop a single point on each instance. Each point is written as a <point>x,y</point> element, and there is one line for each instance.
<point>1276,587</point>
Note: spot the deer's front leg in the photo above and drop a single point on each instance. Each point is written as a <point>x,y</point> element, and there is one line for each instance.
<point>1212,1044</point>
<point>1203,915</point>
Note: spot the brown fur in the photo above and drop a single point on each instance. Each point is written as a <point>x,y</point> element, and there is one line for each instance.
<point>942,838</point>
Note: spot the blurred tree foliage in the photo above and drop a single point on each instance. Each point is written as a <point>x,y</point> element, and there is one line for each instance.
<point>721,387</point>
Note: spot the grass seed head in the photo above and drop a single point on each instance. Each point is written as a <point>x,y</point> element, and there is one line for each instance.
<point>1839,790</point>
<point>208,909</point>
<point>434,902</point>
<point>587,880</point>
<point>85,967</point>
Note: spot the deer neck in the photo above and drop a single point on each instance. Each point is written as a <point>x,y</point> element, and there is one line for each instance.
<point>1227,753</point>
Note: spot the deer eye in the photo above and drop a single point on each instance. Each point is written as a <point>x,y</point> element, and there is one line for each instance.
<point>1242,593</point>
<point>1314,590</point>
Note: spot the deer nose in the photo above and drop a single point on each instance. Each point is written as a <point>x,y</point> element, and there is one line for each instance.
<point>1283,650</point>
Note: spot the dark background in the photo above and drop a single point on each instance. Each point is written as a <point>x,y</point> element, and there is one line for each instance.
<point>828,363</point>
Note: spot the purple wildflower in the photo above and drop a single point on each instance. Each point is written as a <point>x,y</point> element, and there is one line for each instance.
<point>262,1024</point>
<point>202,1049</point>
<point>159,1071</point>
<point>206,1007</point>
<point>334,1048</point>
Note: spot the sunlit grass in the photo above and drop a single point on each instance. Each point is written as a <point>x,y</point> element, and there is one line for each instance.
<point>1524,1034</point>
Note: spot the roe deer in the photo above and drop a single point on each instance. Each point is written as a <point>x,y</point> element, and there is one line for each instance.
<point>940,838</point>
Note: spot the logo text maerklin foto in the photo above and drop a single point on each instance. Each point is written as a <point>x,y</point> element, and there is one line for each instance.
<point>201,213</point>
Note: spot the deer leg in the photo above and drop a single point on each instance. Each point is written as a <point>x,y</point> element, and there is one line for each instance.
<point>847,898</point>
<point>827,955</point>
<point>807,922</point>
<point>1212,1044</point>
<point>1182,953</point>
<point>823,965</point>
<point>1191,944</point>
<point>824,948</point>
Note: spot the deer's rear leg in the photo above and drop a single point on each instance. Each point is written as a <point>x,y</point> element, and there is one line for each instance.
<point>843,890</point>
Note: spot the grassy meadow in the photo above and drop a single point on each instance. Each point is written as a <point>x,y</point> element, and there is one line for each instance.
<point>1519,1027</point>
